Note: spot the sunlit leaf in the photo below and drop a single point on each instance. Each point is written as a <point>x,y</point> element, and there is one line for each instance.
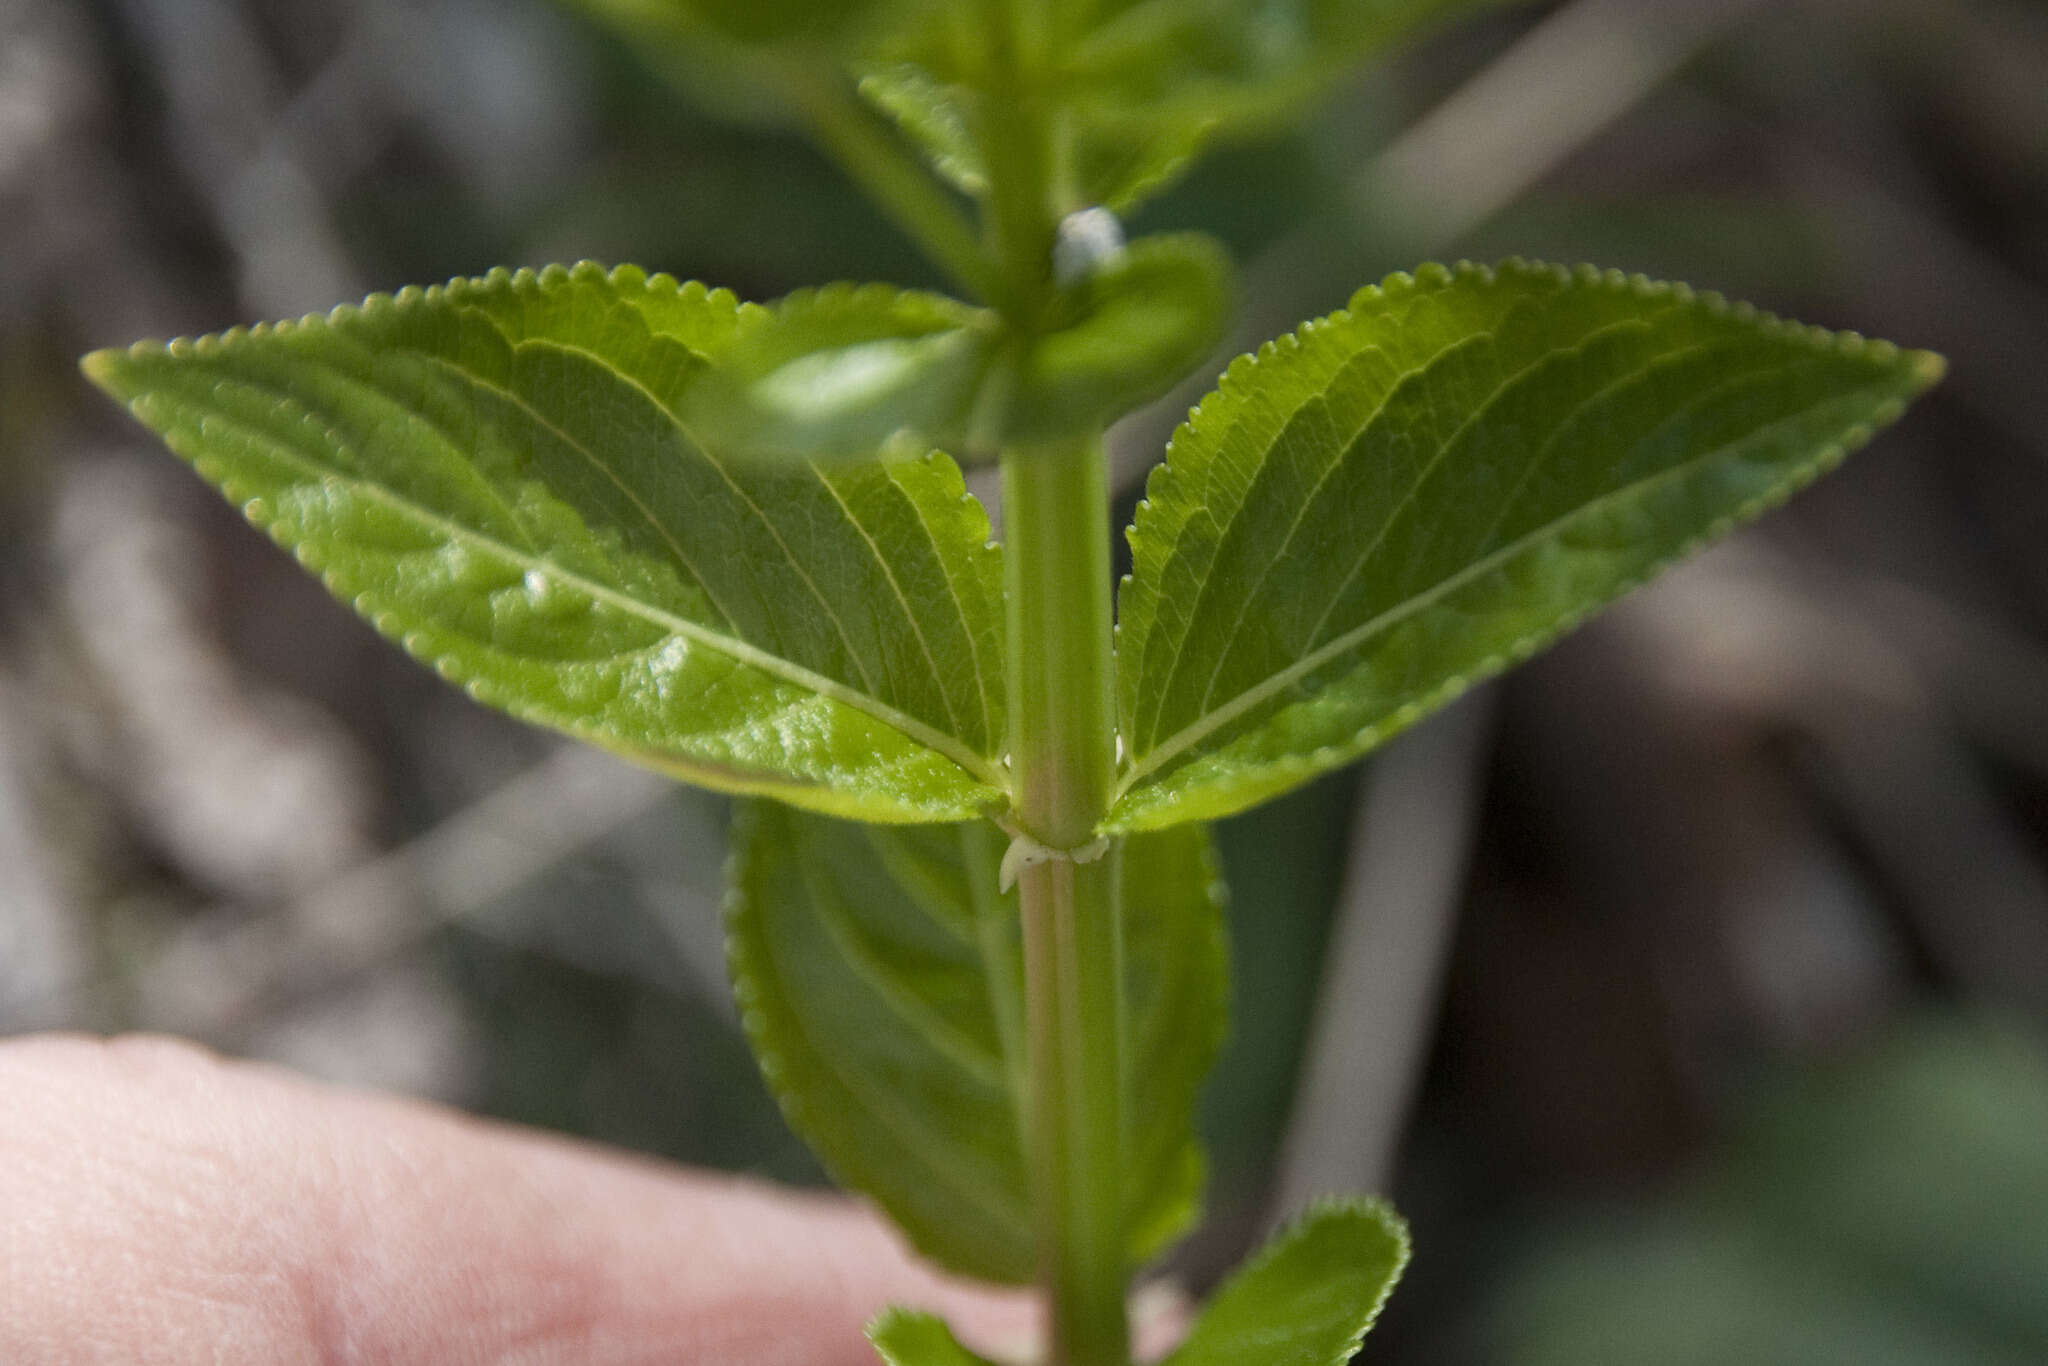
<point>1412,494</point>
<point>1306,1299</point>
<point>495,473</point>
<point>880,978</point>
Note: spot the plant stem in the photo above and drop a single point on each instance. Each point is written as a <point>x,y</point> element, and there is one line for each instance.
<point>1056,552</point>
<point>1019,215</point>
<point>1062,753</point>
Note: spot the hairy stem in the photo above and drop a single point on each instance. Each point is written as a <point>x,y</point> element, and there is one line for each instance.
<point>1063,755</point>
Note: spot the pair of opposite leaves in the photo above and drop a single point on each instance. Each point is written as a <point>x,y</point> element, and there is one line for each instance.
<point>508,475</point>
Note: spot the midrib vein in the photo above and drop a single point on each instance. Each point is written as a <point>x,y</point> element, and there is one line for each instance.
<point>924,645</point>
<point>915,1133</point>
<point>1626,379</point>
<point>773,665</point>
<point>919,1016</point>
<point>698,447</point>
<point>1275,683</point>
<point>1223,529</point>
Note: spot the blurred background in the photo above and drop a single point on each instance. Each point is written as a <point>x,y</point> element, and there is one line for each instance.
<point>1687,989</point>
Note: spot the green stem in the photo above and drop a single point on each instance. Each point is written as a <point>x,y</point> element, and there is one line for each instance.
<point>1063,756</point>
<point>1062,702</point>
<point>1019,215</point>
<point>1073,972</point>
<point>896,180</point>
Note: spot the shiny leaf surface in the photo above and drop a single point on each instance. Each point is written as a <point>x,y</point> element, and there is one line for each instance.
<point>1416,492</point>
<point>496,474</point>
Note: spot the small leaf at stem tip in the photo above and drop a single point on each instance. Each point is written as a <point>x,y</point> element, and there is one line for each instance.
<point>879,974</point>
<point>847,372</point>
<point>1149,84</point>
<point>1309,1297</point>
<point>1124,333</point>
<point>1414,493</point>
<point>931,115</point>
<point>498,473</point>
<point>908,1337</point>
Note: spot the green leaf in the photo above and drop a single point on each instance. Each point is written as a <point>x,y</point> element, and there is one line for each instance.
<point>1415,493</point>
<point>1308,1298</point>
<point>494,472</point>
<point>880,979</point>
<point>1139,86</point>
<point>1124,335</point>
<point>934,117</point>
<point>852,371</point>
<point>905,1337</point>
<point>1153,80</point>
<point>847,372</point>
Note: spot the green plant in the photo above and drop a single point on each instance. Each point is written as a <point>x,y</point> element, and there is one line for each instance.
<point>975,933</point>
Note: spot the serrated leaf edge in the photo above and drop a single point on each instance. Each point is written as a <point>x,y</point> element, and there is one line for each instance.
<point>1368,1207</point>
<point>1927,370</point>
<point>101,368</point>
<point>745,973</point>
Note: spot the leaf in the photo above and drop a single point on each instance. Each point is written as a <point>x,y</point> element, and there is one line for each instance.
<point>1309,1297</point>
<point>880,980</point>
<point>494,473</point>
<point>851,371</point>
<point>934,117</point>
<point>847,371</point>
<point>1151,81</point>
<point>1137,87</point>
<point>1128,333</point>
<point>905,1337</point>
<point>1414,493</point>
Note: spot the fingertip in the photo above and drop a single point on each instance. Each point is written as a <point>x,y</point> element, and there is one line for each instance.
<point>175,1200</point>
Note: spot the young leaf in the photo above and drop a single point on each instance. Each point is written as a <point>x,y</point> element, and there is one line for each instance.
<point>934,117</point>
<point>1412,494</point>
<point>1138,86</point>
<point>494,472</point>
<point>1153,80</point>
<point>880,979</point>
<point>847,371</point>
<point>905,1337</point>
<point>1308,1298</point>
<point>1129,331</point>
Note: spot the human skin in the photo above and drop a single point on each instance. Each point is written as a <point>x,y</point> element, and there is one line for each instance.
<point>158,1204</point>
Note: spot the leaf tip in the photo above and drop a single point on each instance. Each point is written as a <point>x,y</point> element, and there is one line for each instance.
<point>103,368</point>
<point>1926,369</point>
